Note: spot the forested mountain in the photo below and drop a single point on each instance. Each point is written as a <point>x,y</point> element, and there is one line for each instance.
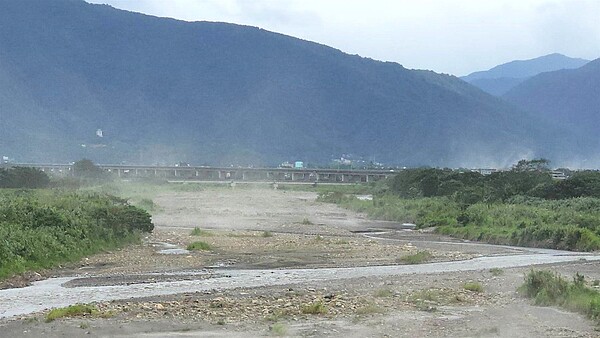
<point>500,79</point>
<point>80,80</point>
<point>570,98</point>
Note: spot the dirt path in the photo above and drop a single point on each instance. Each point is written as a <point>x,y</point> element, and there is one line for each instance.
<point>276,254</point>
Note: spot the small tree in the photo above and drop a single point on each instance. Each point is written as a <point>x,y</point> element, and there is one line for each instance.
<point>86,169</point>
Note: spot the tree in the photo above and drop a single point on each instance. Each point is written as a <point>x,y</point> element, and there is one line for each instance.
<point>86,169</point>
<point>540,164</point>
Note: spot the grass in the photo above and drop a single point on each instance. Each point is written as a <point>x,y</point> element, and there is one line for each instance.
<point>200,232</point>
<point>306,221</point>
<point>429,299</point>
<point>77,310</point>
<point>417,258</point>
<point>382,293</point>
<point>473,286</point>
<point>369,309</point>
<point>547,288</point>
<point>316,308</point>
<point>267,234</point>
<point>496,272</point>
<point>278,329</point>
<point>199,245</point>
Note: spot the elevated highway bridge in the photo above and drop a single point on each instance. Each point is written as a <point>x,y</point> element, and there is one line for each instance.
<point>226,174</point>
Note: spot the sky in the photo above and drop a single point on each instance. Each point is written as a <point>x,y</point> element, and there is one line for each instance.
<point>448,36</point>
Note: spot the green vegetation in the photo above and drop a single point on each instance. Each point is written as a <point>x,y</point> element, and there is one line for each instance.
<point>77,310</point>
<point>200,232</point>
<point>473,286</point>
<point>306,221</point>
<point>316,308</point>
<point>278,329</point>
<point>429,299</point>
<point>547,288</point>
<point>199,245</point>
<point>23,178</point>
<point>384,293</point>
<point>417,258</point>
<point>496,272</point>
<point>523,206</point>
<point>267,234</point>
<point>369,309</point>
<point>42,228</point>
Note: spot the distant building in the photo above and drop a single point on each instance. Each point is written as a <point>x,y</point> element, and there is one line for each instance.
<point>559,175</point>
<point>299,165</point>
<point>485,171</point>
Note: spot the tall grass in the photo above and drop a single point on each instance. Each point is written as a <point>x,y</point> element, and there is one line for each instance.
<point>572,224</point>
<point>547,288</point>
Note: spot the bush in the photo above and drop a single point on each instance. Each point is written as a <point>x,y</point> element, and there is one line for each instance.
<point>473,286</point>
<point>547,288</point>
<point>196,246</point>
<point>418,258</point>
<point>42,229</point>
<point>316,308</point>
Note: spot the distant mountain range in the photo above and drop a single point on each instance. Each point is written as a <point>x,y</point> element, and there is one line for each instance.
<point>80,80</point>
<point>500,79</point>
<point>570,98</point>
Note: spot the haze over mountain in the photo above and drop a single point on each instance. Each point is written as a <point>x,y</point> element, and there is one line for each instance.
<point>568,97</point>
<point>80,80</point>
<point>500,79</point>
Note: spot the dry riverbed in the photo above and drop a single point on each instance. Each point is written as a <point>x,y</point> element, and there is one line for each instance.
<point>264,229</point>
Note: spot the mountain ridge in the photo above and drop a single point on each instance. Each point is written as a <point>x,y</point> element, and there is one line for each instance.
<point>500,79</point>
<point>164,91</point>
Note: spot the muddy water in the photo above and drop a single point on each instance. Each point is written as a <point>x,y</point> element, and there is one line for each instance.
<point>52,292</point>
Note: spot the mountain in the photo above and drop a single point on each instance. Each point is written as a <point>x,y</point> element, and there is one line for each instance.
<point>81,80</point>
<point>500,79</point>
<point>570,98</point>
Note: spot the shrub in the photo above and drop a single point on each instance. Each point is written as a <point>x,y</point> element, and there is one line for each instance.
<point>547,288</point>
<point>473,286</point>
<point>418,258</point>
<point>71,311</point>
<point>196,246</point>
<point>316,308</point>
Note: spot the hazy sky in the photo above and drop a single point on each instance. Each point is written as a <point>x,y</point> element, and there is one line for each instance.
<point>457,37</point>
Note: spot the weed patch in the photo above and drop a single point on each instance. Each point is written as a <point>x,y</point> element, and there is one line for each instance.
<point>316,308</point>
<point>199,245</point>
<point>77,310</point>
<point>547,288</point>
<point>278,329</point>
<point>473,286</point>
<point>496,272</point>
<point>200,232</point>
<point>417,258</point>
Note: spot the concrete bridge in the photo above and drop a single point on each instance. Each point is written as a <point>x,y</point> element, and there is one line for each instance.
<point>202,173</point>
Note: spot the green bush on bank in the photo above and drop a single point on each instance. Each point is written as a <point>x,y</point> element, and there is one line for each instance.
<point>547,288</point>
<point>42,229</point>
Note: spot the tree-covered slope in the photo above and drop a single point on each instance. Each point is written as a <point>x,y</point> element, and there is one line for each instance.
<point>164,91</point>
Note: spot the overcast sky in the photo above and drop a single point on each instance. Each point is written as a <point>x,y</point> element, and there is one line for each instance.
<point>456,37</point>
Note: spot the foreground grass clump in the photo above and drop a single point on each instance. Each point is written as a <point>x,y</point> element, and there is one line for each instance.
<point>278,329</point>
<point>76,310</point>
<point>199,245</point>
<point>547,288</point>
<point>42,229</point>
<point>316,308</point>
<point>473,286</point>
<point>417,258</point>
<point>200,232</point>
